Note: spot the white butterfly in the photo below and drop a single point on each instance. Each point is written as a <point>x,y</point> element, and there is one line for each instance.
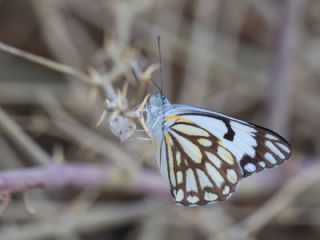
<point>204,154</point>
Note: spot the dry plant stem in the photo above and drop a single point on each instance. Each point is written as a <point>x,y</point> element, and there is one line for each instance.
<point>154,227</point>
<point>196,75</point>
<point>173,27</point>
<point>16,211</point>
<point>8,152</point>
<point>66,223</point>
<point>47,63</point>
<point>5,200</point>
<point>107,88</point>
<point>232,24</point>
<point>81,176</point>
<point>265,9</point>
<point>123,20</point>
<point>54,28</point>
<point>279,88</point>
<point>287,194</point>
<point>22,140</point>
<point>279,104</point>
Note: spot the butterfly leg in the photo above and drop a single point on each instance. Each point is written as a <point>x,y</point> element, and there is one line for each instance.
<point>143,138</point>
<point>140,130</point>
<point>155,124</point>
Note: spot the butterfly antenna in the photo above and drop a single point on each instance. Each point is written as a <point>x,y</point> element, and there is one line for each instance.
<point>160,60</point>
<point>156,85</point>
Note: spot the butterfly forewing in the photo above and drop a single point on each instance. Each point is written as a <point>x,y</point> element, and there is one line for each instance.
<point>204,154</point>
<point>270,150</point>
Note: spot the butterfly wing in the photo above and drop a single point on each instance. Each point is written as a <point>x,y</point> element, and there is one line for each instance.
<point>204,154</point>
<point>200,170</point>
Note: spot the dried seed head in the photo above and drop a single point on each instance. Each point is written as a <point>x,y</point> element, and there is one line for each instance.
<point>122,127</point>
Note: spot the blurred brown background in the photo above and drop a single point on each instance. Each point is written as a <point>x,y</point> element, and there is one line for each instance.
<point>254,60</point>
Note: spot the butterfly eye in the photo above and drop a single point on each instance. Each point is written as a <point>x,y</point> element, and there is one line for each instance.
<point>156,100</point>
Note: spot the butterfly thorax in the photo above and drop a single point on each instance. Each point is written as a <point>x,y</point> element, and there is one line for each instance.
<point>155,109</point>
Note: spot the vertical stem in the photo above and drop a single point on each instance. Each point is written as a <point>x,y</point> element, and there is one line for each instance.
<point>279,103</point>
<point>196,75</point>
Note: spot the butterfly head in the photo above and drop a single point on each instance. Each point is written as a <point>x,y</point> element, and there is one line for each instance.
<point>156,101</point>
<point>156,105</point>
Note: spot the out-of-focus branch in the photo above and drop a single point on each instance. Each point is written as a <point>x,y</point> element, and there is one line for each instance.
<point>289,14</point>
<point>22,140</point>
<point>8,152</point>
<point>278,104</point>
<point>62,68</point>
<point>196,75</point>
<point>61,175</point>
<point>287,194</point>
<point>4,199</point>
<point>69,223</point>
<point>54,29</point>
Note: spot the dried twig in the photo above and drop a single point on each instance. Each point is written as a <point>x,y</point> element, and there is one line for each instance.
<point>287,194</point>
<point>22,140</point>
<point>62,68</point>
<point>5,199</point>
<point>196,75</point>
<point>66,223</point>
<point>54,29</point>
<point>279,104</point>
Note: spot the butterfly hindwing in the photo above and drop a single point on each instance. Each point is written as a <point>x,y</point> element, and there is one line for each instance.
<point>200,169</point>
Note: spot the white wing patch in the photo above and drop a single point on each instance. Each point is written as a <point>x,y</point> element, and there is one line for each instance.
<point>214,126</point>
<point>283,147</point>
<point>225,155</point>
<point>190,148</point>
<point>205,142</point>
<point>191,181</point>
<point>215,160</point>
<point>190,130</point>
<point>214,174</point>
<point>273,148</point>
<point>210,197</point>
<point>270,158</point>
<point>203,179</point>
<point>179,177</point>
<point>250,167</point>
<point>180,195</point>
<point>232,176</point>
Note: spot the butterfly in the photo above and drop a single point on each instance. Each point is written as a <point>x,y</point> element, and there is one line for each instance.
<point>204,154</point>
